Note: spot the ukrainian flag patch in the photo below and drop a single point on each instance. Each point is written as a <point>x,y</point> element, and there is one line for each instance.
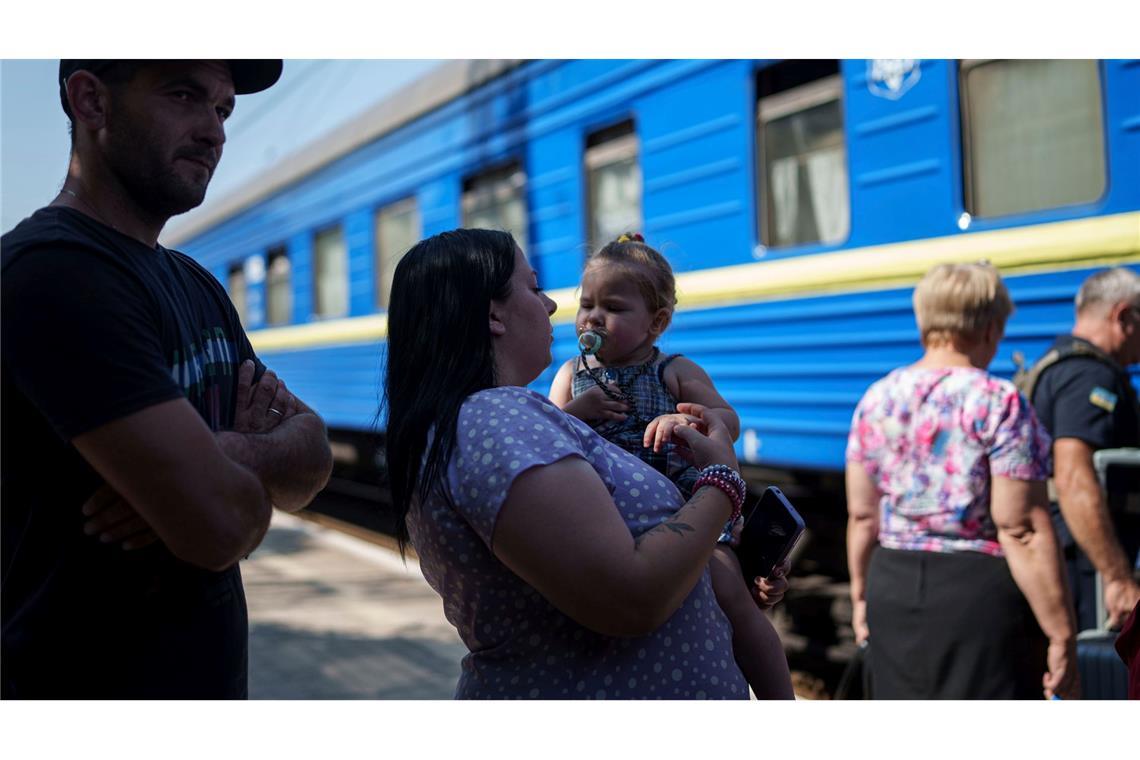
<point>1103,398</point>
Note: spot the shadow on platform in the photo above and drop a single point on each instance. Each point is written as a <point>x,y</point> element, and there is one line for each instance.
<point>287,663</point>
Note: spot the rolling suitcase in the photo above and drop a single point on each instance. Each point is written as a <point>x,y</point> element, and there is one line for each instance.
<point>1103,674</point>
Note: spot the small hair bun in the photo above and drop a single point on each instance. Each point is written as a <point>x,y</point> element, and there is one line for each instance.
<point>627,237</point>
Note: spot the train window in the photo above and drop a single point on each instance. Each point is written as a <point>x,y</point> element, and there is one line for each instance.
<point>397,230</point>
<point>802,154</point>
<point>330,264</point>
<point>278,287</point>
<point>613,183</point>
<point>236,286</point>
<point>1032,133</point>
<point>496,200</point>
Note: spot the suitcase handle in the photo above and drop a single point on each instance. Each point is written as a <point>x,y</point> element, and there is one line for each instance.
<point>1102,460</point>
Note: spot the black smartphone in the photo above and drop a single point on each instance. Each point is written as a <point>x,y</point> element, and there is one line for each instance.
<point>770,531</point>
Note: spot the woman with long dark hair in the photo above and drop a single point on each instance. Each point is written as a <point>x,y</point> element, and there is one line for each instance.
<point>570,568</point>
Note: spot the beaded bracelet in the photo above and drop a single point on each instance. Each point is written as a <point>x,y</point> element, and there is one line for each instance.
<point>727,480</point>
<point>738,484</point>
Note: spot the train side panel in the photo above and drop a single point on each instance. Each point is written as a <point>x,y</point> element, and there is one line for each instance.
<point>793,368</point>
<point>793,359</point>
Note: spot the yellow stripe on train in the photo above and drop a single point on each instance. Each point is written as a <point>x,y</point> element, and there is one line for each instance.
<point>1096,241</point>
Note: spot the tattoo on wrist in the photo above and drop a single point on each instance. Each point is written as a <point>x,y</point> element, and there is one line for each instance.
<point>675,524</point>
<point>679,528</point>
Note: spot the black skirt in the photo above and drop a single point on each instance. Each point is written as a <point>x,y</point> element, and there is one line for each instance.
<point>950,626</point>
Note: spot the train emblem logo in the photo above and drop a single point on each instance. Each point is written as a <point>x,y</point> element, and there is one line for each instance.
<point>892,77</point>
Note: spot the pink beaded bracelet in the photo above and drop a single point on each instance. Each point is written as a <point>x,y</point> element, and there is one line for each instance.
<point>727,480</point>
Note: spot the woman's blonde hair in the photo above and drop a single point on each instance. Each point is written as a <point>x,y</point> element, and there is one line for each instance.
<point>956,302</point>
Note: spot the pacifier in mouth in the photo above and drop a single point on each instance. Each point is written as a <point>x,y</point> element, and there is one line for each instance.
<point>590,342</point>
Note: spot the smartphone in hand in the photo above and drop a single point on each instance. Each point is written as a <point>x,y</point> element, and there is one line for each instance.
<point>770,532</point>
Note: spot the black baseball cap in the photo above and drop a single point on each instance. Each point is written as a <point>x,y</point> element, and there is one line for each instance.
<point>249,74</point>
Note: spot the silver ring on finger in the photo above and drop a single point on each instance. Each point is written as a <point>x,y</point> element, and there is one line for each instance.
<point>277,412</point>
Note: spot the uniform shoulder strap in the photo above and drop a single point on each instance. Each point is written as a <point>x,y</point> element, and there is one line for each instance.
<point>1026,379</point>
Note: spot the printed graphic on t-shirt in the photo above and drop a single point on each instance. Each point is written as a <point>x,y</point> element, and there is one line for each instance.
<point>200,370</point>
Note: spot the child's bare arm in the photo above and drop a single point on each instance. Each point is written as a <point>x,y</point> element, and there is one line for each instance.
<point>689,384</point>
<point>728,583</point>
<point>694,386</point>
<point>560,390</point>
<point>756,646</point>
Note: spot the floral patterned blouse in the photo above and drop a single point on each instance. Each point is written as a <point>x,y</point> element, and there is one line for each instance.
<point>931,439</point>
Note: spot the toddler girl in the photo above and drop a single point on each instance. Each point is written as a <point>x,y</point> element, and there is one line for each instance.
<point>634,396</point>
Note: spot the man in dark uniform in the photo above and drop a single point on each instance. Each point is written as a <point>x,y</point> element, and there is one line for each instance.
<point>140,455</point>
<point>1084,396</point>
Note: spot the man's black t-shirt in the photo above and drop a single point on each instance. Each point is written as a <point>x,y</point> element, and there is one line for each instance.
<point>1082,397</point>
<point>1085,398</point>
<point>96,326</point>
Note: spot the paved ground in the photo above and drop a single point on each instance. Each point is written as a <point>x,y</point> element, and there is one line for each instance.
<point>334,617</point>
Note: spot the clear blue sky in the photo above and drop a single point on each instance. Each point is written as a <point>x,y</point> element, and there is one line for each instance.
<point>312,98</point>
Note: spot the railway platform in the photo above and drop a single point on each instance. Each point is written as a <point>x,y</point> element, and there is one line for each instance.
<point>332,616</point>
<point>335,614</point>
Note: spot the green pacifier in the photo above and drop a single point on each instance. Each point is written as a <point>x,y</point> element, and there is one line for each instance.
<point>589,342</point>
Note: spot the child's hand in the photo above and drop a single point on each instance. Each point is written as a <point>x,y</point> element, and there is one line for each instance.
<point>594,405</point>
<point>707,413</point>
<point>660,431</point>
<point>701,450</point>
<point>769,591</point>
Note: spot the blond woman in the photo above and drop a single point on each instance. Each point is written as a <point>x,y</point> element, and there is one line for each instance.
<point>956,581</point>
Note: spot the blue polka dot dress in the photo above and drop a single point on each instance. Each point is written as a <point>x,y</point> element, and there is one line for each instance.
<point>520,645</point>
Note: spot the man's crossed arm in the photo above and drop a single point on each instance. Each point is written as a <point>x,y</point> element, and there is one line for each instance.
<point>206,496</point>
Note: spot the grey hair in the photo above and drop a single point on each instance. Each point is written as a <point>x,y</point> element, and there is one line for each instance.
<point>1108,287</point>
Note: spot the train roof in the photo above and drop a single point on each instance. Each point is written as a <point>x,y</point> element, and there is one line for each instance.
<point>435,88</point>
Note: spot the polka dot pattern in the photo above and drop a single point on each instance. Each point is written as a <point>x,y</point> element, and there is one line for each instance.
<point>520,645</point>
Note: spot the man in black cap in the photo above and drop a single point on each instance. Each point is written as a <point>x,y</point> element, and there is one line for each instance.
<point>143,441</point>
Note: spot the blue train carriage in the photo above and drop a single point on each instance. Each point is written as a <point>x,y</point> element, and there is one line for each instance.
<point>798,201</point>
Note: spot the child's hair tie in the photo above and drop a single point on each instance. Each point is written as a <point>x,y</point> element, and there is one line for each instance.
<point>627,237</point>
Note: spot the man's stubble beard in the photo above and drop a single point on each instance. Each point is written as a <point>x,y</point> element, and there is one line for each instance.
<point>149,179</point>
